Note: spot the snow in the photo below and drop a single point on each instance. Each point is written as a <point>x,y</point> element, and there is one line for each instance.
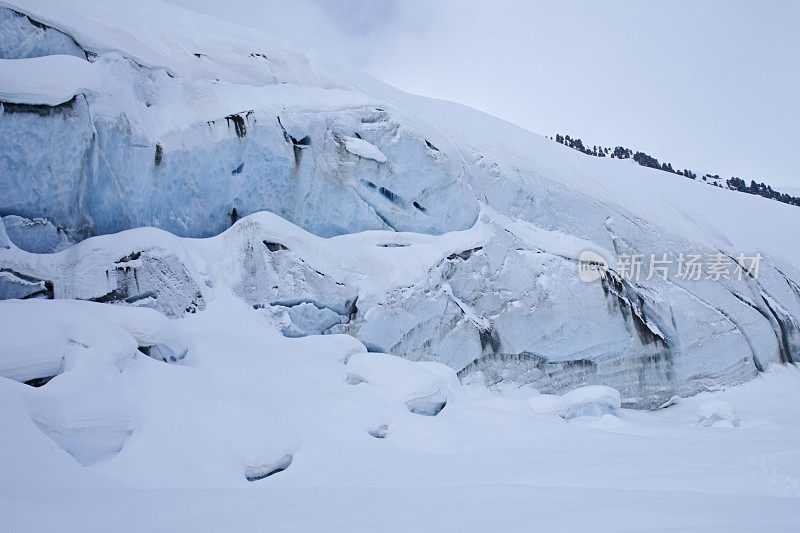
<point>48,80</point>
<point>422,391</point>
<point>362,148</point>
<point>716,413</point>
<point>392,335</point>
<point>121,428</point>
<point>592,400</point>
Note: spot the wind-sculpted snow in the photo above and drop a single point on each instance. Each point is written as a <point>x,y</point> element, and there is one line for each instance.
<point>436,233</point>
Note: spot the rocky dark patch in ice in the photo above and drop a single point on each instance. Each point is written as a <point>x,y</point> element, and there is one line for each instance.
<point>490,340</point>
<point>130,257</point>
<point>297,145</point>
<point>528,368</point>
<point>389,195</point>
<point>238,124</point>
<point>466,254</point>
<point>39,109</point>
<point>785,328</point>
<point>39,382</point>
<point>274,246</point>
<point>631,306</point>
<point>155,279</point>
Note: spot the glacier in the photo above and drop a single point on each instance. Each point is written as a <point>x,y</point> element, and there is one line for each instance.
<point>230,266</point>
<point>139,139</point>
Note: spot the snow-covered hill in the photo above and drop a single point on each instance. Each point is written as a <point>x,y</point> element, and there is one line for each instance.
<point>287,215</point>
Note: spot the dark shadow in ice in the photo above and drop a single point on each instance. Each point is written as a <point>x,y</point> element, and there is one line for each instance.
<point>162,352</point>
<point>39,382</point>
<point>429,405</point>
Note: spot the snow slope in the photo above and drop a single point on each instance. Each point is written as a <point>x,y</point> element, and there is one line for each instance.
<point>330,295</point>
<point>118,432</point>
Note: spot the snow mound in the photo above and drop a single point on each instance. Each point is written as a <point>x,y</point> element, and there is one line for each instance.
<point>260,471</point>
<point>422,391</point>
<point>716,413</point>
<point>592,400</point>
<point>547,404</point>
<point>42,339</point>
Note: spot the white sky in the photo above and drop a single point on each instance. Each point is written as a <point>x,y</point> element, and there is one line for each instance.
<point>709,85</point>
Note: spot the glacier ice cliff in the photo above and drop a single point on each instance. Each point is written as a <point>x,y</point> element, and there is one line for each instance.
<point>334,204</point>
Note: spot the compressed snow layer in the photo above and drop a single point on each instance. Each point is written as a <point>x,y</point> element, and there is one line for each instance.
<point>162,35</point>
<point>362,148</point>
<point>48,80</point>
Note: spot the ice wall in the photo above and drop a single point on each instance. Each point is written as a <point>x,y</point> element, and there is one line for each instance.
<point>170,145</point>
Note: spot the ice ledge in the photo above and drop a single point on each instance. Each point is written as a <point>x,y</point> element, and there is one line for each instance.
<point>48,80</point>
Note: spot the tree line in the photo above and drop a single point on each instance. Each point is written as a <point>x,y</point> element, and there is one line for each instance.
<point>734,184</point>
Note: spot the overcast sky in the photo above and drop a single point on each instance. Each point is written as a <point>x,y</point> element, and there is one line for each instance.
<point>709,85</point>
